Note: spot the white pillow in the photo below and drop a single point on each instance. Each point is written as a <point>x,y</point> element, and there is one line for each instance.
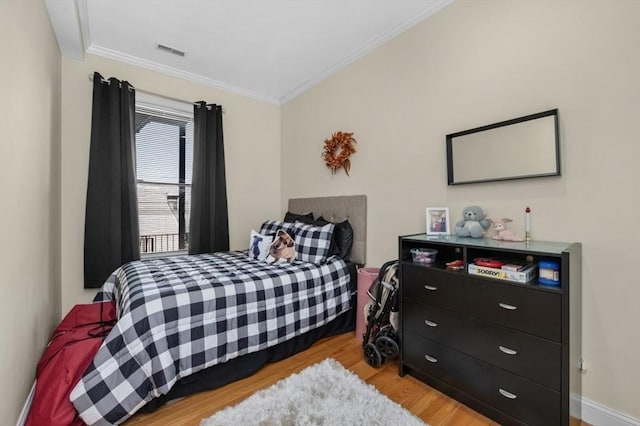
<point>259,245</point>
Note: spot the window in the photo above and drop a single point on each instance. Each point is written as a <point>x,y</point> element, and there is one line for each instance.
<point>164,163</point>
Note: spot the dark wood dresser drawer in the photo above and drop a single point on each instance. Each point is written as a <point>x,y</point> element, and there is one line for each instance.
<point>514,306</point>
<point>532,357</point>
<point>521,398</point>
<point>434,286</point>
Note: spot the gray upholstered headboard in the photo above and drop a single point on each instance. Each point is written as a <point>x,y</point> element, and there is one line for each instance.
<point>337,209</point>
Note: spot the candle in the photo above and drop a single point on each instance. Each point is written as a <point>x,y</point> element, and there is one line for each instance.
<point>527,224</point>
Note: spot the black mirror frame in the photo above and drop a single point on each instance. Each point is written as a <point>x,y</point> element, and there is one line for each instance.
<point>451,136</point>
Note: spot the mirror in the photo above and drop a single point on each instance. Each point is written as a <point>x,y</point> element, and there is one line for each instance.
<point>520,148</point>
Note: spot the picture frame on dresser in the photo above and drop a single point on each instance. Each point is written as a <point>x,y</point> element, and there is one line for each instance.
<point>437,221</point>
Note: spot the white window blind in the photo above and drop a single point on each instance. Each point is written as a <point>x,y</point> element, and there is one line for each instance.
<point>164,164</point>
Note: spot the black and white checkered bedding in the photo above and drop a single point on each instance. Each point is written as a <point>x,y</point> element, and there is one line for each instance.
<point>180,315</point>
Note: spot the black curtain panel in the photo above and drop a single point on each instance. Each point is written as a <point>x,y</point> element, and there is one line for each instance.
<point>209,227</point>
<point>111,232</point>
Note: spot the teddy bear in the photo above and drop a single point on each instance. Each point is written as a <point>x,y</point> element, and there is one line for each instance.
<point>502,233</point>
<point>473,223</point>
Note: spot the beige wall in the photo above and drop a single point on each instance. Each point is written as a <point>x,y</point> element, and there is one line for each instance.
<point>252,151</point>
<point>479,62</point>
<point>29,190</point>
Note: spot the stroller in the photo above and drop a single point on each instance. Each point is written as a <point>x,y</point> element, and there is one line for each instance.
<point>380,341</point>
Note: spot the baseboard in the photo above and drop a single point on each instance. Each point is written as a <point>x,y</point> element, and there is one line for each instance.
<point>597,414</point>
<point>27,406</point>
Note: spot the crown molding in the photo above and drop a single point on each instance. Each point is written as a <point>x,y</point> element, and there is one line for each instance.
<point>174,72</point>
<point>82,9</point>
<point>66,21</point>
<point>364,50</point>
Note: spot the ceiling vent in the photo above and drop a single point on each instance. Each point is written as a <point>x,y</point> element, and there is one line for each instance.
<point>170,49</point>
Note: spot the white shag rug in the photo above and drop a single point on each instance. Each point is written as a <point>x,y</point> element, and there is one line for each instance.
<point>322,394</point>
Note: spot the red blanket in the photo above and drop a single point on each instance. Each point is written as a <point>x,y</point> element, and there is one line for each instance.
<point>71,349</point>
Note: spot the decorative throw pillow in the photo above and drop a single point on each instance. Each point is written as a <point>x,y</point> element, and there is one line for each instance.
<point>259,245</point>
<point>270,227</point>
<point>305,218</point>
<point>282,249</point>
<point>342,238</point>
<point>313,242</point>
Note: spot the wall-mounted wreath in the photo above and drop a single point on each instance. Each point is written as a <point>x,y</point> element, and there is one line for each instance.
<point>337,150</point>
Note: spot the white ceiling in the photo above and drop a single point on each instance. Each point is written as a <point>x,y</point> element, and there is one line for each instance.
<point>271,50</point>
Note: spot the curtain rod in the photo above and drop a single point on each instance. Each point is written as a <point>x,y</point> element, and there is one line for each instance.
<point>160,96</point>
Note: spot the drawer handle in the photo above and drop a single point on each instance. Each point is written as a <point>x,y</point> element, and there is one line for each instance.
<point>507,350</point>
<point>430,358</point>
<point>507,394</point>
<point>431,323</point>
<point>507,307</point>
<point>430,288</point>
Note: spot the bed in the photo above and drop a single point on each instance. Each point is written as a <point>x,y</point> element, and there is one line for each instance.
<point>191,323</point>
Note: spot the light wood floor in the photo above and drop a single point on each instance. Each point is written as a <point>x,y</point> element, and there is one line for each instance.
<point>425,402</point>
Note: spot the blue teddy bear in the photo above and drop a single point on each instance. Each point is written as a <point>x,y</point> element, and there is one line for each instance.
<point>474,223</point>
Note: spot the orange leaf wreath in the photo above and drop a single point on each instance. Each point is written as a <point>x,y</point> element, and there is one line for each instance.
<point>337,150</point>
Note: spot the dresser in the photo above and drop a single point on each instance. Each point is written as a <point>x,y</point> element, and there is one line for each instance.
<point>509,350</point>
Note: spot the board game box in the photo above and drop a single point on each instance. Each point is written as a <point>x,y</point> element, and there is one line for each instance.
<point>523,276</point>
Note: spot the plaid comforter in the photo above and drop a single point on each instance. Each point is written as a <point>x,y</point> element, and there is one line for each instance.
<point>180,315</point>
